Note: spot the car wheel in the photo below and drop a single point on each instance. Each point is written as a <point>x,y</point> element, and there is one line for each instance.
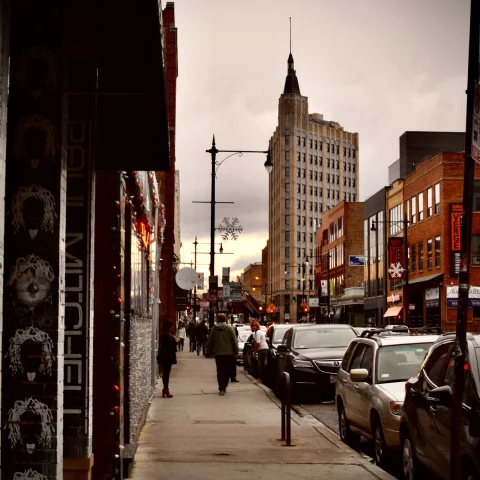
<point>380,449</point>
<point>346,434</point>
<point>409,459</point>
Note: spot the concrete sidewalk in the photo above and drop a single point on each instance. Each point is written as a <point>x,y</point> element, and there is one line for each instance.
<point>199,434</point>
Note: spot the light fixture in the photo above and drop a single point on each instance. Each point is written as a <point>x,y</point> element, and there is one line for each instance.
<point>221,248</point>
<point>373,228</point>
<point>306,260</point>
<point>268,163</point>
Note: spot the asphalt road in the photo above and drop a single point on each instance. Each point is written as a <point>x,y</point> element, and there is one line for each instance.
<point>327,414</point>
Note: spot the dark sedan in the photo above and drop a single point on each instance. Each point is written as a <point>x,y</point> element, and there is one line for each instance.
<point>312,355</point>
<point>274,337</point>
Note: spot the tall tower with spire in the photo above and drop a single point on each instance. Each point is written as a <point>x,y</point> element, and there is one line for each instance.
<point>315,167</point>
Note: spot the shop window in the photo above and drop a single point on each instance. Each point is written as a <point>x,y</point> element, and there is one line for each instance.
<point>429,253</point>
<point>437,198</point>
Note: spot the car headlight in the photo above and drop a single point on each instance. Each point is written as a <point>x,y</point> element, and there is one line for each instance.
<point>396,408</point>
<point>301,363</point>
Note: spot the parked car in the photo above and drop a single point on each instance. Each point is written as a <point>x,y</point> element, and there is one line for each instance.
<point>243,335</point>
<point>275,335</point>
<point>427,411</point>
<point>312,354</point>
<point>250,364</point>
<point>370,386</point>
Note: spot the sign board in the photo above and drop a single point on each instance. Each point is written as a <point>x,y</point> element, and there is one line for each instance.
<point>455,263</point>
<point>204,304</point>
<point>324,288</point>
<point>201,281</point>
<point>213,291</point>
<point>225,275</point>
<point>473,296</point>
<point>456,210</point>
<point>226,291</point>
<point>356,260</point>
<point>396,268</point>
<point>186,278</point>
<point>287,316</point>
<point>476,125</point>
<point>236,292</point>
<point>313,302</point>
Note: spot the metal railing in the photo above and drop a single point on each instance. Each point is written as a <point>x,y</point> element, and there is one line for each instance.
<point>286,398</point>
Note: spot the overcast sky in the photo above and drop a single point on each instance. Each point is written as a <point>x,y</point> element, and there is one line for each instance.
<point>377,67</point>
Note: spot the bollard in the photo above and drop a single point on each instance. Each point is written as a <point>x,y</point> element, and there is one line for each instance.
<point>286,410</point>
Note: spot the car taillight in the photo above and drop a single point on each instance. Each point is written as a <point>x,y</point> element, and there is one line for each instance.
<point>396,408</point>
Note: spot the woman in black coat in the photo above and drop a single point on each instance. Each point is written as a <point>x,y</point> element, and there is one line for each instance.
<point>167,355</point>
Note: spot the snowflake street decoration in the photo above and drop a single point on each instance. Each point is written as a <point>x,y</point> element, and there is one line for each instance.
<point>230,229</point>
<point>396,270</point>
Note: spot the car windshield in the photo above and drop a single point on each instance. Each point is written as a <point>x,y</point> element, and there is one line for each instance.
<point>243,336</point>
<point>323,337</point>
<point>278,334</point>
<point>397,363</point>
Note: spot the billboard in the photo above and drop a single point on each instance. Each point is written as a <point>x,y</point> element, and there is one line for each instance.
<point>356,260</point>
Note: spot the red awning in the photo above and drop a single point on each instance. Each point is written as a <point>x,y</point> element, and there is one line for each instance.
<point>393,311</point>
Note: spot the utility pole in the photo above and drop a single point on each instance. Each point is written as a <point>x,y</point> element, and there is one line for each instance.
<point>460,350</point>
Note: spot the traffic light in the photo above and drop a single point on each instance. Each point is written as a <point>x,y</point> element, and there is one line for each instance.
<point>187,308</point>
<point>305,309</point>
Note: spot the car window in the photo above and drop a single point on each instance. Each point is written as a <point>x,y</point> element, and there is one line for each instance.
<point>367,362</point>
<point>357,356</point>
<point>278,334</point>
<point>397,363</point>
<point>449,378</point>
<point>288,338</point>
<point>348,354</point>
<point>434,367</point>
<point>323,337</point>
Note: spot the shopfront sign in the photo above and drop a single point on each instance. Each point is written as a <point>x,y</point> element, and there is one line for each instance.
<point>473,296</point>
<point>456,210</point>
<point>432,297</point>
<point>395,269</point>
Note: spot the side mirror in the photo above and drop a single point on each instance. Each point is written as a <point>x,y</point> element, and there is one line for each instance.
<point>282,348</point>
<point>358,374</point>
<point>441,396</point>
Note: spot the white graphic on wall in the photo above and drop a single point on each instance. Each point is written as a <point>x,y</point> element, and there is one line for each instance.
<point>35,140</point>
<point>30,350</point>
<point>30,424</point>
<point>31,279</point>
<point>33,208</point>
<point>29,475</point>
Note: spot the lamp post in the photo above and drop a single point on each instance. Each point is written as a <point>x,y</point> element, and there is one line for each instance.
<point>406,295</point>
<point>213,151</point>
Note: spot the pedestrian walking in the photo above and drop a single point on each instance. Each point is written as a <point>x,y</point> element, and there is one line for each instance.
<point>181,335</point>
<point>222,340</point>
<point>167,355</point>
<point>201,335</point>
<point>192,335</point>
<point>260,349</point>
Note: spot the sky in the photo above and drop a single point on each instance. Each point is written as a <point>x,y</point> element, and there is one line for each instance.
<point>377,67</point>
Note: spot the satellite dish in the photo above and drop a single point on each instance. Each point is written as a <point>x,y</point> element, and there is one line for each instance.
<point>186,278</point>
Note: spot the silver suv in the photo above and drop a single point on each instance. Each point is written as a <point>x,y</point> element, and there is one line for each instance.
<point>370,386</point>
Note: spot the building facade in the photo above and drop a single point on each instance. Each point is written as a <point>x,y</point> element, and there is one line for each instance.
<point>315,167</point>
<point>339,265</point>
<point>253,281</point>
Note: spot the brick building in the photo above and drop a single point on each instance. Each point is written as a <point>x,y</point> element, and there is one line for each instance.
<point>432,204</point>
<point>339,262</point>
<point>253,282</point>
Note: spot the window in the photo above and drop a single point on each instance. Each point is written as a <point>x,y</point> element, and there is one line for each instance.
<point>338,179</point>
<point>311,159</point>
<point>304,141</point>
<point>298,188</point>
<point>311,221</point>
<point>349,152</point>
<point>310,143</point>
<point>287,236</point>
<point>298,156</point>
<point>337,164</point>
<point>315,206</point>
<point>328,147</point>
<point>344,181</point>
<point>396,220</point>
<point>298,172</point>
<point>304,188</point>
<point>287,284</point>
<point>353,182</point>
<point>287,252</point>
<point>316,144</point>
<point>303,157</point>
<point>338,195</point>
<point>414,211</point>
<point>420,256</point>
<point>320,145</point>
<point>475,249</point>
<point>287,203</point>
<point>298,252</point>
<point>328,178</point>
<point>310,174</point>
<point>287,188</point>
<point>320,176</point>
<point>287,219</point>
<point>353,156</point>
<point>357,356</point>
<point>344,166</point>
<point>320,161</point>
<point>328,162</point>
<point>311,206</point>
<point>315,176</point>
<point>349,182</point>
<point>353,196</point>
<point>367,362</point>
<point>304,203</point>
<point>298,139</point>
<point>304,236</point>
<point>437,198</point>
<point>429,202</point>
<point>414,258</point>
<point>287,140</point>
<point>437,251</point>
<point>429,253</point>
<point>298,219</point>
<point>298,236</point>
<point>303,221</point>
<point>315,191</point>
<point>353,167</point>
<point>315,159</point>
<point>287,171</point>
<point>303,173</point>
<point>344,151</point>
<point>420,207</point>
<point>434,368</point>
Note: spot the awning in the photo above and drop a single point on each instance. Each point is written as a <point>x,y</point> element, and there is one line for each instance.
<point>428,278</point>
<point>393,311</point>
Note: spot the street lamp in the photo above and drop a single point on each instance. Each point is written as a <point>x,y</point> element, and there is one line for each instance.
<point>327,256</point>
<point>215,165</point>
<point>406,296</point>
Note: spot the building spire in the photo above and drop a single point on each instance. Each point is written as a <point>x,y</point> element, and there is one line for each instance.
<point>291,82</point>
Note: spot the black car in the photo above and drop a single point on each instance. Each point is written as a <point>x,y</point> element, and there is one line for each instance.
<point>427,412</point>
<point>250,363</point>
<point>312,355</point>
<point>274,337</point>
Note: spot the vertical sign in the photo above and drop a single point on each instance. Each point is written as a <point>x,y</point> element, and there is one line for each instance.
<point>225,275</point>
<point>396,268</point>
<point>456,211</point>
<point>213,292</point>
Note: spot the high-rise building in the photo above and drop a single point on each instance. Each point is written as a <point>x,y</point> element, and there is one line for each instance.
<point>315,167</point>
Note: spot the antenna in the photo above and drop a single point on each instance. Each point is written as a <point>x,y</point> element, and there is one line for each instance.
<point>290,34</point>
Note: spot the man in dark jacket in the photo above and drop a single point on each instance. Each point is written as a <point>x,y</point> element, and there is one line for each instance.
<point>191,331</point>
<point>222,340</point>
<point>201,333</point>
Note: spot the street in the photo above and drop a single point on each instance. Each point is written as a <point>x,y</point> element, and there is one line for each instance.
<point>327,414</point>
